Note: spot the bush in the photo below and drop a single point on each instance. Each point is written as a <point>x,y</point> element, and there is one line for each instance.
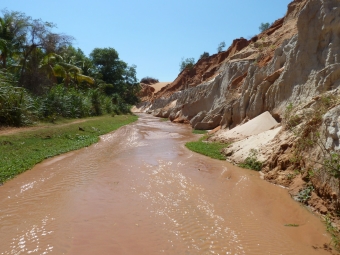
<point>204,55</point>
<point>220,47</point>
<point>72,103</point>
<point>264,26</point>
<point>251,161</point>
<point>17,107</point>
<point>149,80</point>
<point>186,63</point>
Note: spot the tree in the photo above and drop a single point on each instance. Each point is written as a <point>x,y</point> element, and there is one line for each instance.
<point>29,42</point>
<point>204,55</point>
<point>117,77</point>
<point>13,27</point>
<point>108,64</point>
<point>186,63</point>
<point>264,26</point>
<point>220,47</point>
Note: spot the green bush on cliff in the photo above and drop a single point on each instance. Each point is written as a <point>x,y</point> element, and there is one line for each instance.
<point>186,63</point>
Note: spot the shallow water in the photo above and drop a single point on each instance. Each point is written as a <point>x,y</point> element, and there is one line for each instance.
<point>140,191</point>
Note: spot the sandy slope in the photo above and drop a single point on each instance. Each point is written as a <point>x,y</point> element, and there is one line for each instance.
<point>261,123</point>
<point>158,86</point>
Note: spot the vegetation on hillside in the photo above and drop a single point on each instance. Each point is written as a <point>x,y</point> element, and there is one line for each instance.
<point>149,80</point>
<point>220,47</point>
<point>186,63</point>
<point>204,55</point>
<point>42,76</point>
<point>264,26</point>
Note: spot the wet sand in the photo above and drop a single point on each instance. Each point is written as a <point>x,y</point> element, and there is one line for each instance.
<point>140,191</point>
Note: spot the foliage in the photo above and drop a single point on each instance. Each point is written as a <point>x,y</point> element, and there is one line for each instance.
<point>16,105</point>
<point>264,26</point>
<point>220,47</point>
<point>334,232</point>
<point>21,151</point>
<point>210,149</point>
<point>251,161</point>
<point>308,136</point>
<point>186,63</point>
<point>114,71</point>
<point>204,55</point>
<point>51,78</point>
<point>290,119</point>
<point>149,80</point>
<point>332,163</point>
<point>304,195</point>
<point>67,102</point>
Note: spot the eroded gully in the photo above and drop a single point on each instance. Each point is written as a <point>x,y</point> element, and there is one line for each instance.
<point>140,191</point>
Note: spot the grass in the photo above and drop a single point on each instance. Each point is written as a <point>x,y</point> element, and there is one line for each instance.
<point>21,151</point>
<point>251,162</point>
<point>333,231</point>
<point>210,149</point>
<point>199,132</point>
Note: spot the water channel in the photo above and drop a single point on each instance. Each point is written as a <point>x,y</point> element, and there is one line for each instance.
<point>140,191</point>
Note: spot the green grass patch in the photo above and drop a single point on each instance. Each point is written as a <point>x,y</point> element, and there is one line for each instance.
<point>210,149</point>
<point>199,132</point>
<point>251,162</point>
<point>21,151</point>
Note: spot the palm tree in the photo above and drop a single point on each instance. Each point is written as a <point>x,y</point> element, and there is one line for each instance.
<point>54,66</point>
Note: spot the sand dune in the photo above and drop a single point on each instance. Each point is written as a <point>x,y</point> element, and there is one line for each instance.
<point>158,86</point>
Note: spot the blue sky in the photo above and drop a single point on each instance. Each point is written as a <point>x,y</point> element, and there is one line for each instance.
<point>153,34</point>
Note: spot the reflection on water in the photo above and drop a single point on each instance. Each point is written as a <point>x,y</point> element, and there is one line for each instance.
<point>140,191</point>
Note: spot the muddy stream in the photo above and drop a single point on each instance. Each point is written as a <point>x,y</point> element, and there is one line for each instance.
<point>140,191</point>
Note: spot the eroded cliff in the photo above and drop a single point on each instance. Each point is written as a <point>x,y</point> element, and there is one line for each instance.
<point>292,72</point>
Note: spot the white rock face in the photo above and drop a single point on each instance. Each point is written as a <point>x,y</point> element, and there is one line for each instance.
<point>301,68</point>
<point>331,128</point>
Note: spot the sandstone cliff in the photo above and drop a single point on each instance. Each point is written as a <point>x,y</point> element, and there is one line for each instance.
<point>292,72</point>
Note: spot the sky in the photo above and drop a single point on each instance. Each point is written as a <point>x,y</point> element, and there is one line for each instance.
<point>154,35</point>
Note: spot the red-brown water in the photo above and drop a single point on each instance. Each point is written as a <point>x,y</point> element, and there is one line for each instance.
<point>140,191</point>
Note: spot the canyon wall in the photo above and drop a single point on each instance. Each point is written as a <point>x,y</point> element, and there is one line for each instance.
<point>295,65</point>
<point>296,59</point>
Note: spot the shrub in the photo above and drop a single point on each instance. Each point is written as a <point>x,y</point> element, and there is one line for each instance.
<point>264,26</point>
<point>186,63</point>
<point>149,80</point>
<point>304,195</point>
<point>204,55</point>
<point>72,103</point>
<point>251,161</point>
<point>17,107</point>
<point>220,47</point>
